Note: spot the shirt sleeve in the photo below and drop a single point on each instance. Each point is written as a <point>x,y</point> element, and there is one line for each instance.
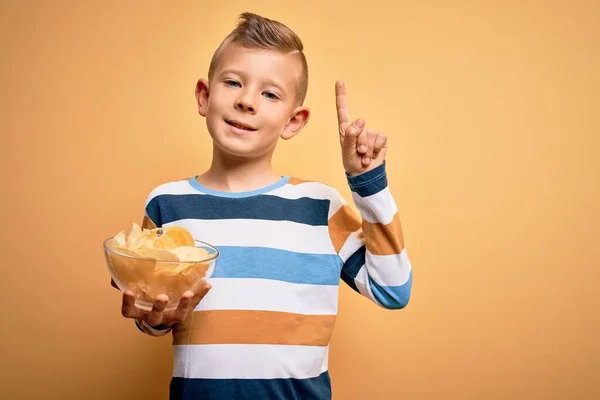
<point>375,262</point>
<point>148,329</point>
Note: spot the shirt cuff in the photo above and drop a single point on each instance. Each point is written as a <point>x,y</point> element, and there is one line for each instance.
<point>370,182</point>
<point>155,330</point>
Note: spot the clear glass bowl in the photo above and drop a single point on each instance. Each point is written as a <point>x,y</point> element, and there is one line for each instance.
<point>147,277</point>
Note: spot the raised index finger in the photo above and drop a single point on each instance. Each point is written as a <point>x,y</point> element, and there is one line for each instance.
<point>340,101</point>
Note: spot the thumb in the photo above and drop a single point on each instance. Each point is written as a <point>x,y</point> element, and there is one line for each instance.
<point>352,133</point>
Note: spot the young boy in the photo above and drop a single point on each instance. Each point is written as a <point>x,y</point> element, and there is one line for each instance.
<point>263,330</point>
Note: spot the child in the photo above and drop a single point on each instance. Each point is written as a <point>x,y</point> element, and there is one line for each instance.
<point>263,330</point>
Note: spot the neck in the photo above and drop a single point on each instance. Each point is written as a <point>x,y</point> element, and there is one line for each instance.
<point>230,173</point>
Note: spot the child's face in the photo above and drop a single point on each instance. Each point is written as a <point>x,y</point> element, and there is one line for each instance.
<point>251,101</point>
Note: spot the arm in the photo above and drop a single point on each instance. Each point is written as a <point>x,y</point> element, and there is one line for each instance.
<point>375,261</point>
<point>372,250</point>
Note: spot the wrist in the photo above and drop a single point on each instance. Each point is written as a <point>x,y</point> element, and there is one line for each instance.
<point>160,327</point>
<point>368,182</point>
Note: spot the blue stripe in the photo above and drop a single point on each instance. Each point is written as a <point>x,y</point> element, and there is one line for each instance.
<point>349,281</point>
<point>352,266</point>
<point>318,388</point>
<point>370,182</point>
<point>154,214</point>
<point>196,185</point>
<point>392,297</point>
<point>282,265</point>
<point>166,208</point>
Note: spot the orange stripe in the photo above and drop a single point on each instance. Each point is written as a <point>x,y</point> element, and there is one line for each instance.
<point>296,181</point>
<point>254,327</point>
<point>384,239</point>
<point>147,223</point>
<point>341,225</point>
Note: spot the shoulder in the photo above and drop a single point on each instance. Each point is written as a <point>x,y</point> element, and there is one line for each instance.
<point>176,187</point>
<point>297,188</point>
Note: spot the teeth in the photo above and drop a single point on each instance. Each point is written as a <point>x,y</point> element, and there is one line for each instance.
<point>239,126</point>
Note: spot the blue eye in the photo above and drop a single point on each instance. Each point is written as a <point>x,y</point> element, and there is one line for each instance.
<point>270,96</point>
<point>232,83</point>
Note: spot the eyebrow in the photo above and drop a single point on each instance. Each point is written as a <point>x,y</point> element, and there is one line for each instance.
<point>242,73</point>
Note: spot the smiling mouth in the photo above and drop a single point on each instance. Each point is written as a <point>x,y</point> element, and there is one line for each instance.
<point>240,125</point>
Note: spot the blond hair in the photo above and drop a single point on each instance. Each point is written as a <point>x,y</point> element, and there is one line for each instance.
<point>256,32</point>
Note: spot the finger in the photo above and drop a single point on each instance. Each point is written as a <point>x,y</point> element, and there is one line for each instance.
<point>342,106</point>
<point>380,143</point>
<point>370,137</point>
<point>353,132</point>
<point>189,301</point>
<point>128,308</point>
<point>200,295</point>
<point>183,308</point>
<point>362,141</point>
<point>204,290</point>
<point>156,314</point>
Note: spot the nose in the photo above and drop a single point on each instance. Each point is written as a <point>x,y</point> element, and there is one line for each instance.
<point>246,103</point>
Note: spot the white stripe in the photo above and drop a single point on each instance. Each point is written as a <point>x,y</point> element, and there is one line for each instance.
<point>325,364</point>
<point>389,270</point>
<point>175,187</point>
<point>313,190</point>
<point>362,284</point>
<point>379,207</point>
<point>335,205</point>
<point>283,235</point>
<point>353,243</point>
<point>266,294</point>
<point>243,361</point>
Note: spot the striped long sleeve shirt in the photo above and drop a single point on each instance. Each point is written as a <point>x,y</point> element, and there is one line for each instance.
<point>263,330</point>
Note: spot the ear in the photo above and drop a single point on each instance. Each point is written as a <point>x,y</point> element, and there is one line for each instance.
<point>298,119</point>
<point>202,91</point>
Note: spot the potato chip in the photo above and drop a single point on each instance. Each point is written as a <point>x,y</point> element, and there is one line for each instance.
<point>180,235</point>
<point>189,253</point>
<point>134,235</point>
<point>173,243</point>
<point>120,239</point>
<point>162,255</point>
<point>165,242</point>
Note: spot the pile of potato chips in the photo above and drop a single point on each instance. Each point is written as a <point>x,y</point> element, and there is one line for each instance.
<point>162,244</point>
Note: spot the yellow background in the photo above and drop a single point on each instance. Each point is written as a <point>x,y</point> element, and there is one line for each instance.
<point>491,109</point>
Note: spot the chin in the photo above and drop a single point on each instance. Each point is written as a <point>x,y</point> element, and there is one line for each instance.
<point>239,149</point>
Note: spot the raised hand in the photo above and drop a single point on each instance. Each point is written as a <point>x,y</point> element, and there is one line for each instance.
<point>363,149</point>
